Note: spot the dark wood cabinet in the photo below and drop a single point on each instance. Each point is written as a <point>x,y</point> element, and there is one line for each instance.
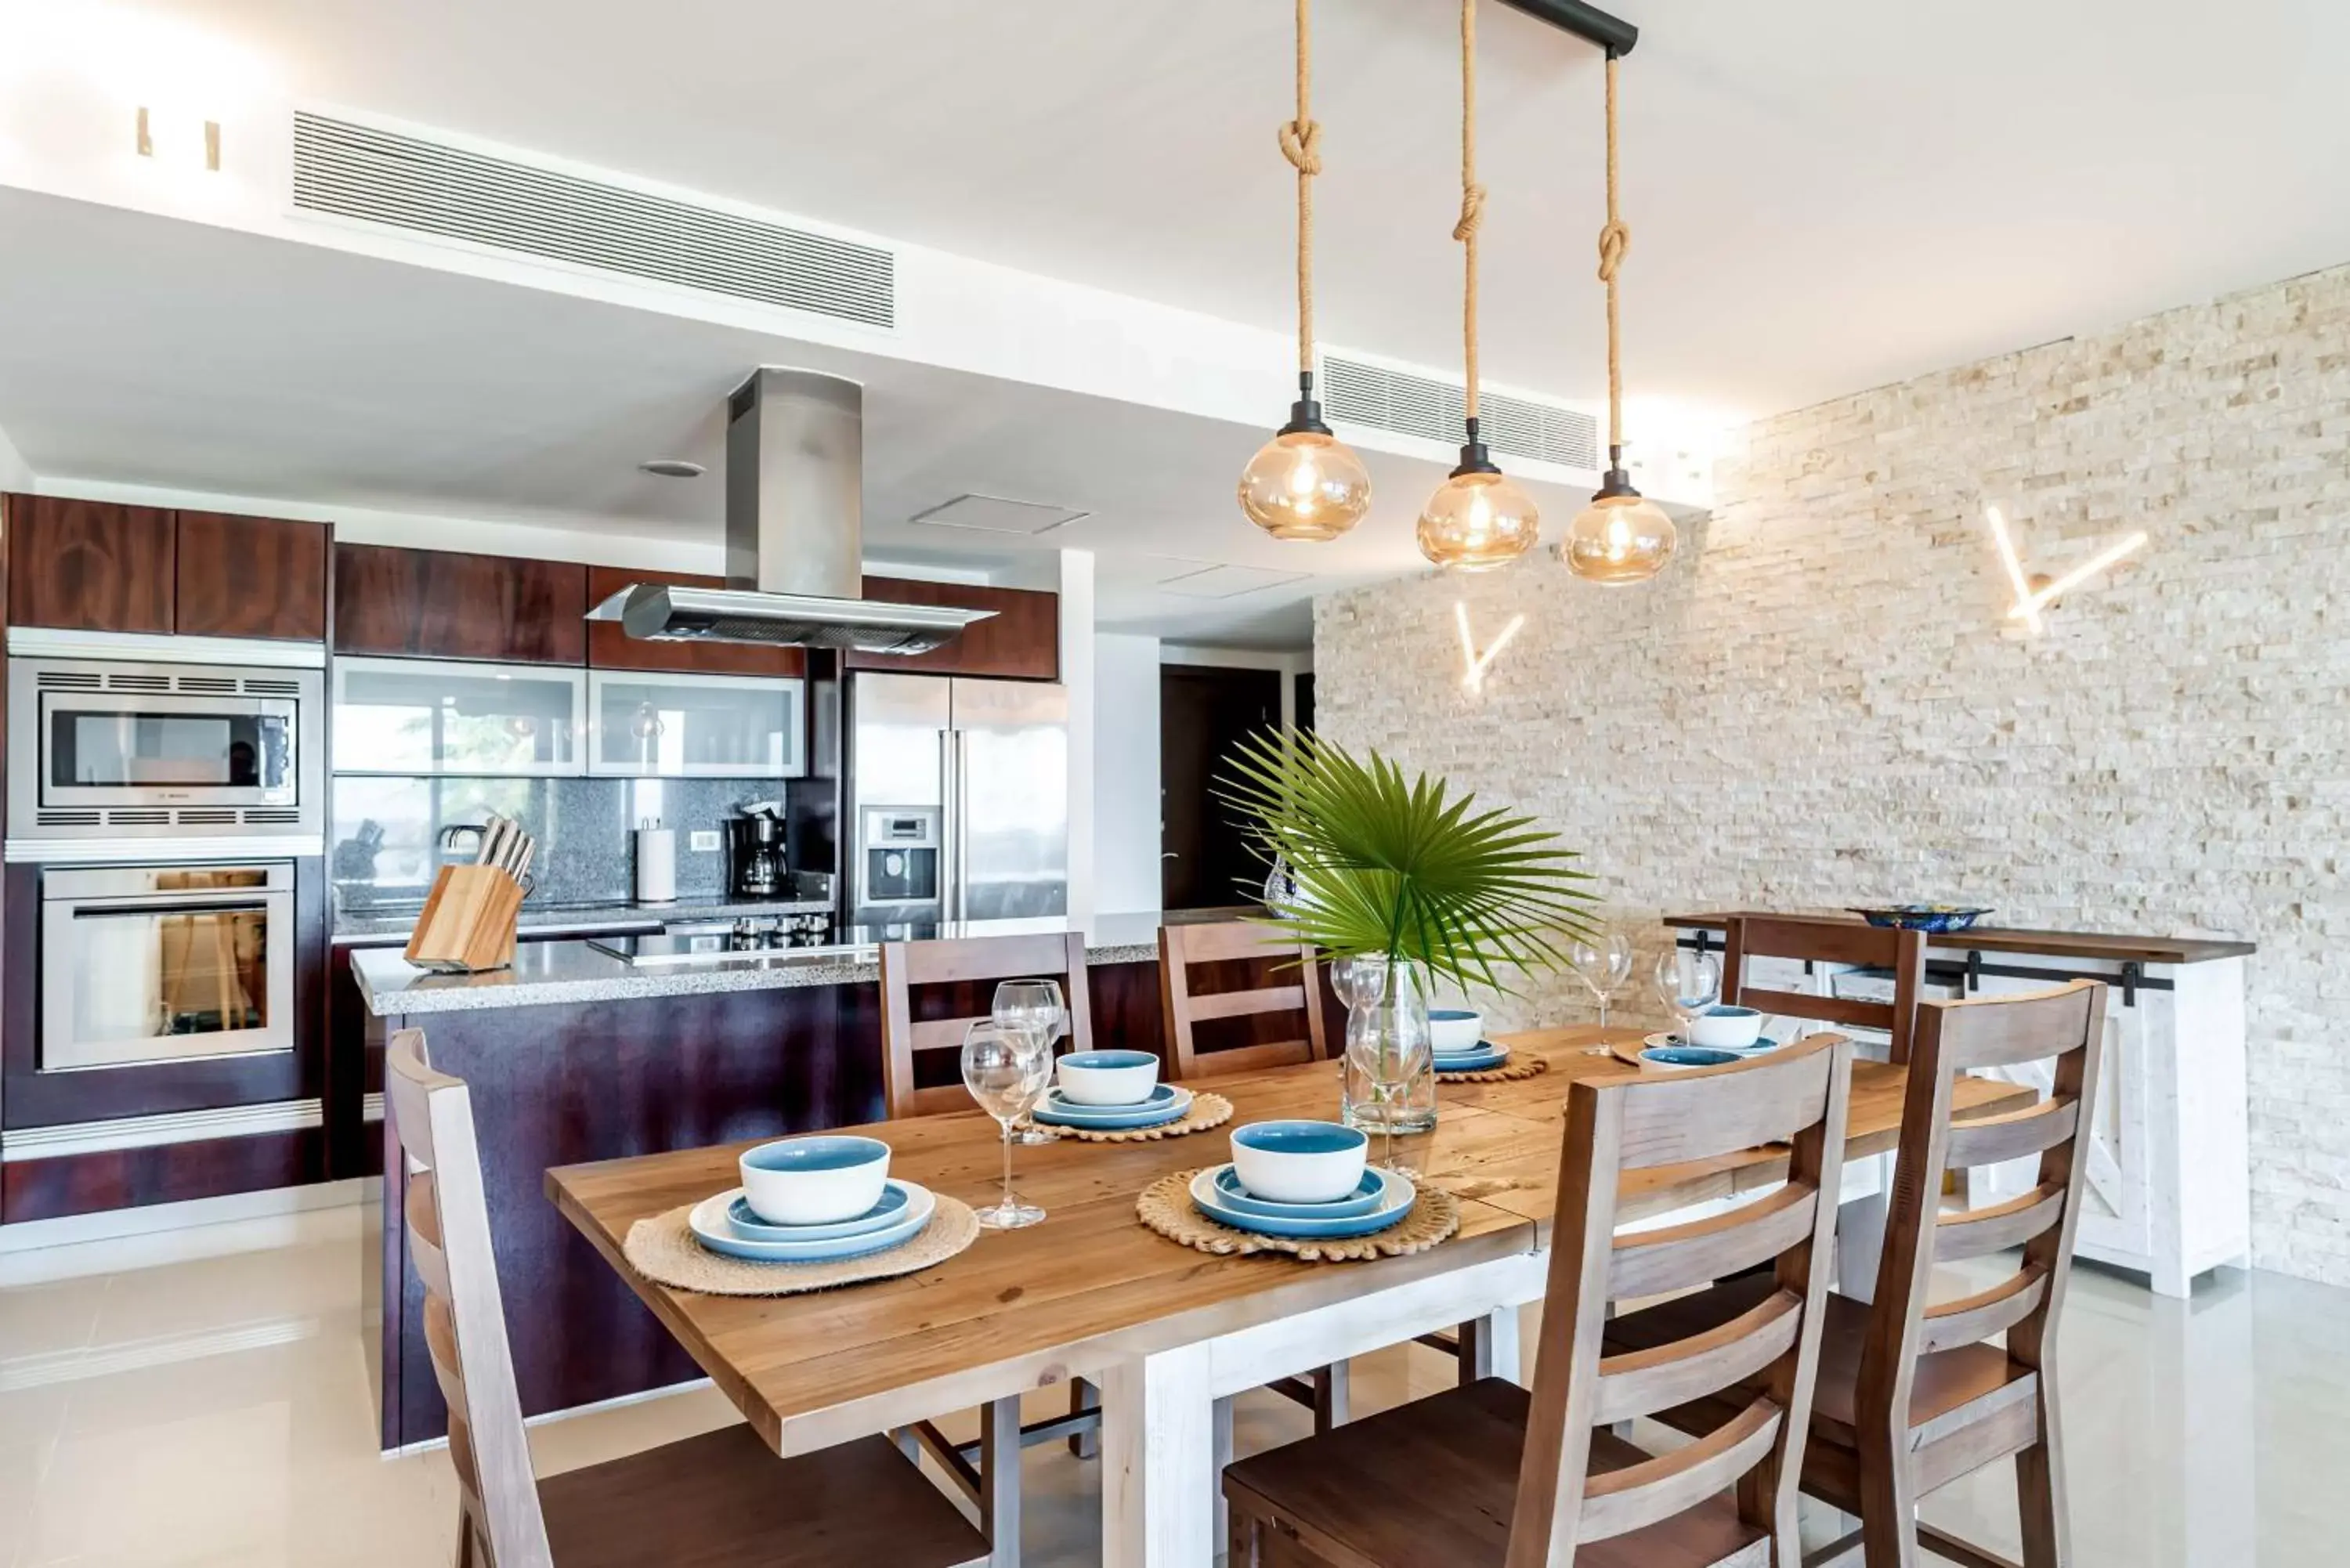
<point>91,566</point>
<point>1022,641</point>
<point>610,647</point>
<point>251,576</point>
<point>439,604</point>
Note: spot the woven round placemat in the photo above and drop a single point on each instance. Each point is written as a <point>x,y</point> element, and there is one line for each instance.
<point>663,1250</point>
<point>1207,1111</point>
<point>1166,1207</point>
<point>1525,1065</point>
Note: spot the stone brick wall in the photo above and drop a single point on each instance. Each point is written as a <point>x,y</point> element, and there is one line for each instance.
<point>1822,702</point>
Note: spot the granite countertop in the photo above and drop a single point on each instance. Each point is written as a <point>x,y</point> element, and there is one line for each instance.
<point>547,973</point>
<point>354,928</point>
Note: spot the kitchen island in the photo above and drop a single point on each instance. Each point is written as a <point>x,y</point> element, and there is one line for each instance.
<point>575,1055</point>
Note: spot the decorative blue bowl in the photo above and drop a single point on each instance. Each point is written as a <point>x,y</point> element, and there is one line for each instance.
<point>1920,917</point>
<point>1681,1058</point>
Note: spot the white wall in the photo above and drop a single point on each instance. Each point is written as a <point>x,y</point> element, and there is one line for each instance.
<point>1126,773</point>
<point>15,473</point>
<point>1825,702</point>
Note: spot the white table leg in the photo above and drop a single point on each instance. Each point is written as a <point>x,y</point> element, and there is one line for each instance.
<point>1490,1348</point>
<point>1160,1480</point>
<point>1862,1212</point>
<point>1223,1455</point>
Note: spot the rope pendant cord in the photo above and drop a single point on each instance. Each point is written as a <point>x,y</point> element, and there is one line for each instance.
<point>1472,204</point>
<point>1300,144</point>
<point>1615,240</point>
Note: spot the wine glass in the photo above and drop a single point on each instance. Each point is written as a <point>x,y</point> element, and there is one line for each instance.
<point>1388,1054</point>
<point>1688,981</point>
<point>1032,1004</point>
<point>1005,1070</point>
<point>1360,980</point>
<point>1604,960</point>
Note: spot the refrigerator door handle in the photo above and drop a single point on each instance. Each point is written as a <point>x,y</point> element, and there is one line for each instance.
<point>961,807</point>
<point>950,825</point>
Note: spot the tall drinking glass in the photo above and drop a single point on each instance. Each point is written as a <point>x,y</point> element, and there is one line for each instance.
<point>1604,960</point>
<point>1032,1004</point>
<point>1688,982</point>
<point>1005,1071</point>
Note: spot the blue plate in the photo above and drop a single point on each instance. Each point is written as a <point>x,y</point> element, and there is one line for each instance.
<point>1487,1056</point>
<point>1362,1201</point>
<point>1685,1058</point>
<point>710,1227</point>
<point>1167,1103</point>
<point>1396,1199</point>
<point>745,1222</point>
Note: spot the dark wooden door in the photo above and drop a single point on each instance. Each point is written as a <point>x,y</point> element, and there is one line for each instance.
<point>252,576</point>
<point>1021,641</point>
<point>610,647</point>
<point>89,564</point>
<point>439,604</point>
<point>1205,714</point>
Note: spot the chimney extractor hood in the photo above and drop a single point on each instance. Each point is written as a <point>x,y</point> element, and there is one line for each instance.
<point>795,523</point>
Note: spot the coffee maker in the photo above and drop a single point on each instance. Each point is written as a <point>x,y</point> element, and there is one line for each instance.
<point>755,853</point>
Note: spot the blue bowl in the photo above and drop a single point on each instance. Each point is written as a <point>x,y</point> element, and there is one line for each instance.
<point>1929,917</point>
<point>819,1181</point>
<point>1683,1057</point>
<point>1108,1058</point>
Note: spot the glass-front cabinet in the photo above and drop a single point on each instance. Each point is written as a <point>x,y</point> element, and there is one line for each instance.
<point>696,726</point>
<point>422,716</point>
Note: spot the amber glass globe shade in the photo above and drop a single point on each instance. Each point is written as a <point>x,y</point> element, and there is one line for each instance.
<point>1618,539</point>
<point>1476,522</point>
<point>1304,485</point>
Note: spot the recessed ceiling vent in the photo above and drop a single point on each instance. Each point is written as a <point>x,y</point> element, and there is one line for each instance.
<point>1366,394</point>
<point>404,182</point>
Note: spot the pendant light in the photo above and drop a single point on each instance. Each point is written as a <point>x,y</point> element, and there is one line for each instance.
<point>1477,519</point>
<point>1622,536</point>
<point>1305,484</point>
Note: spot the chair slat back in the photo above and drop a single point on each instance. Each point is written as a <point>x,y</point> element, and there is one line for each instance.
<point>1829,941</point>
<point>966,961</point>
<point>1798,1095</point>
<point>448,1234</point>
<point>1295,987</point>
<point>2067,1024</point>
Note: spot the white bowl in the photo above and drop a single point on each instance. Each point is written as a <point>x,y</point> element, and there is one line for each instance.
<point>1300,1162</point>
<point>1454,1029</point>
<point>818,1181</point>
<point>1107,1077</point>
<point>1726,1028</point>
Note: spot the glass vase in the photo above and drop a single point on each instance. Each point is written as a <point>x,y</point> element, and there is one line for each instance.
<point>1388,1082</point>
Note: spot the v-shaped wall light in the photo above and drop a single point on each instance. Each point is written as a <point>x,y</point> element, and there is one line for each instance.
<point>2034,594</point>
<point>1473,663</point>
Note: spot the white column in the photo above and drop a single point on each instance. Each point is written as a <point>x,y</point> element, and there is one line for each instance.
<point>1078,680</point>
<point>1158,1462</point>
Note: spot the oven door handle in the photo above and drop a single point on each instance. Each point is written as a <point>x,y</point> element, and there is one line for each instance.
<point>260,902</point>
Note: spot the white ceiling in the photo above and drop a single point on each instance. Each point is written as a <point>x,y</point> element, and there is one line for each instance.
<point>1826,194</point>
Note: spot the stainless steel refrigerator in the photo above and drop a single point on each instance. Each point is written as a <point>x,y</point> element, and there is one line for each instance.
<point>956,800</point>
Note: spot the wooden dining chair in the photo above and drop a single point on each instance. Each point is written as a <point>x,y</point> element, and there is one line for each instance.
<point>988,1470</point>
<point>1491,1474</point>
<point>1277,976</point>
<point>1293,986</point>
<point>976,963</point>
<point>722,1500</point>
<point>1829,941</point>
<point>1912,1393</point>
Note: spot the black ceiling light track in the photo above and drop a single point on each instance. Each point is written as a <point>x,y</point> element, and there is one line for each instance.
<point>1588,23</point>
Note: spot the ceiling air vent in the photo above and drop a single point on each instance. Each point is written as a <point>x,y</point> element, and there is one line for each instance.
<point>1365,394</point>
<point>357,172</point>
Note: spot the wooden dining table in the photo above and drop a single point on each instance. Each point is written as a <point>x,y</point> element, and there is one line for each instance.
<point>1169,1333</point>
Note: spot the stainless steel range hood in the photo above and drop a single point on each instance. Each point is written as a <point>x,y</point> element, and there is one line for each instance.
<point>795,525</point>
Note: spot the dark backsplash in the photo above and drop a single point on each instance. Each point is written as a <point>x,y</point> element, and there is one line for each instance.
<point>385,830</point>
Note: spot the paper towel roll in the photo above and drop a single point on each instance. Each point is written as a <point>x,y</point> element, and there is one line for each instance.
<point>656,865</point>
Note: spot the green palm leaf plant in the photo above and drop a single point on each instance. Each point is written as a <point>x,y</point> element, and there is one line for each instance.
<point>1406,870</point>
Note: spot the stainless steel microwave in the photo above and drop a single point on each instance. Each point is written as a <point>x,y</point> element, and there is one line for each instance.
<point>99,748</point>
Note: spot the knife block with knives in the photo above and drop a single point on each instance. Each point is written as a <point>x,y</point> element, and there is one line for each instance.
<point>468,921</point>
